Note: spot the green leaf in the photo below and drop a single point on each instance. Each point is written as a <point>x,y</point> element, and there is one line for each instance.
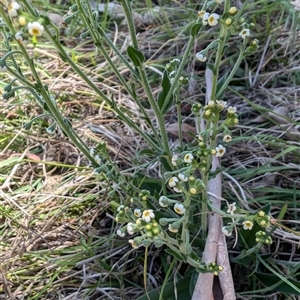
<point>165,162</point>
<point>9,161</point>
<point>166,85</point>
<point>195,29</point>
<point>171,292</point>
<point>146,152</point>
<point>176,254</point>
<point>133,89</point>
<point>211,67</point>
<point>220,85</point>
<point>62,57</point>
<point>284,287</point>
<point>136,56</point>
<point>27,126</point>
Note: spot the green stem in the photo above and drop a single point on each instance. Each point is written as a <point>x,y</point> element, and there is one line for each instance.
<point>157,112</point>
<point>94,28</point>
<point>124,117</point>
<point>179,71</point>
<point>217,62</point>
<point>231,74</point>
<point>170,269</point>
<point>98,41</point>
<point>129,19</point>
<point>204,208</point>
<point>145,268</point>
<point>179,120</point>
<point>144,80</point>
<point>186,220</point>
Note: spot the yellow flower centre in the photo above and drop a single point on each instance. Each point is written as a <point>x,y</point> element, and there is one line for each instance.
<point>35,31</point>
<point>248,224</point>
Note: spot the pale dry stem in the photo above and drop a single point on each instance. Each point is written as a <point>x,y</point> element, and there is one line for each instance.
<point>215,247</point>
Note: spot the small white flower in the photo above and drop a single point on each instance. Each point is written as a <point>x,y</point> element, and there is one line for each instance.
<point>179,208</point>
<point>130,228</point>
<point>19,38</point>
<point>137,212</point>
<point>35,28</point>
<point>225,231</point>
<point>139,222</point>
<point>213,19</point>
<point>231,208</point>
<point>244,33</point>
<point>175,61</point>
<point>133,244</point>
<point>199,137</point>
<point>148,214</point>
<point>182,177</point>
<point>220,151</point>
<point>13,8</point>
<point>98,159</point>
<point>173,181</point>
<point>210,103</point>
<point>247,225</point>
<point>205,17</point>
<point>174,160</point>
<point>201,13</point>
<point>188,158</point>
<point>172,229</point>
<point>120,233</point>
<point>177,190</point>
<point>120,208</point>
<point>163,201</point>
<point>201,57</point>
<point>49,131</point>
<point>221,103</point>
<point>172,74</point>
<point>227,138</point>
<point>231,110</point>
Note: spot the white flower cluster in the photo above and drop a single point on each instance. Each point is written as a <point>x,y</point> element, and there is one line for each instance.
<point>210,19</point>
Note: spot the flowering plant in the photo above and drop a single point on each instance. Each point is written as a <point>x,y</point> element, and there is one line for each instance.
<point>163,217</point>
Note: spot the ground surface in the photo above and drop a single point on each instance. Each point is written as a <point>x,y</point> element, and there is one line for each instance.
<point>57,229</point>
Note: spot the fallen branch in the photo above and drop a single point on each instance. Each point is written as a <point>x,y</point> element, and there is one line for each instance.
<point>215,247</point>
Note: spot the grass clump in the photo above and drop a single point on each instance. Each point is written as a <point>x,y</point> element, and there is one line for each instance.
<point>135,156</point>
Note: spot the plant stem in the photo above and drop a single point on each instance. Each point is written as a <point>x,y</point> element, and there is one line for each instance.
<point>179,120</point>
<point>231,74</point>
<point>144,80</point>
<point>179,70</point>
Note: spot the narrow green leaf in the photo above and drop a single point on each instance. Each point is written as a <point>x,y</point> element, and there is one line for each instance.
<point>177,255</point>
<point>195,29</point>
<point>288,286</point>
<point>146,152</point>
<point>182,290</point>
<point>220,85</point>
<point>166,85</point>
<point>136,56</point>
<point>211,67</point>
